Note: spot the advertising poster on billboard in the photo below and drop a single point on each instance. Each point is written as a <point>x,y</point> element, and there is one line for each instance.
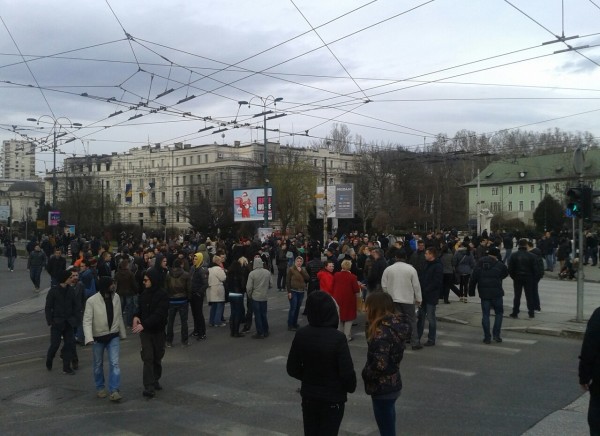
<point>4,213</point>
<point>53,217</point>
<point>248,204</point>
<point>340,201</point>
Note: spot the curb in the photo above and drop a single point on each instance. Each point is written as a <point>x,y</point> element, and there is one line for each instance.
<point>565,333</point>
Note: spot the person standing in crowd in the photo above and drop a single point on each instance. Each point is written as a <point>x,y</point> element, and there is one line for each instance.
<point>387,334</point>
<point>257,287</point>
<point>11,254</point>
<point>589,370</point>
<point>463,262</point>
<point>417,258</point>
<point>378,265</point>
<point>282,265</point>
<point>238,276</point>
<point>103,327</point>
<point>487,277</point>
<point>216,292</point>
<point>179,291</point>
<point>431,287</point>
<point>522,267</point>
<point>449,276</point>
<point>199,284</point>
<point>35,264</point>
<point>320,358</point>
<point>150,322</point>
<point>345,289</point>
<point>296,280</point>
<point>401,281</point>
<point>61,315</point>
<point>127,290</point>
<point>507,242</point>
<point>56,265</point>
<point>325,277</point>
<point>313,266</point>
<point>539,275</point>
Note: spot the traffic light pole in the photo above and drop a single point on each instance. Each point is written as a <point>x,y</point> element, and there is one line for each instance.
<point>580,274</point>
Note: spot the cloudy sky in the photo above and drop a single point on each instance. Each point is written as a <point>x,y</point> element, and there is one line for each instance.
<point>393,71</point>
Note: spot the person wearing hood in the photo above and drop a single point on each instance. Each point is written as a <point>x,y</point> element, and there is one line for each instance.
<point>103,327</point>
<point>179,290</point>
<point>216,292</point>
<point>487,277</point>
<point>199,284</point>
<point>160,266</point>
<point>432,283</point>
<point>257,287</point>
<point>150,322</point>
<point>539,274</point>
<point>320,358</point>
<point>387,334</point>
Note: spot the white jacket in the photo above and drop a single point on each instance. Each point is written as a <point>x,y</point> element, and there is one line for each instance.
<point>216,290</point>
<point>401,281</point>
<point>95,320</point>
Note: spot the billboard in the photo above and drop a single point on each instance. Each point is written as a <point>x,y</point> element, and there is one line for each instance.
<point>248,204</point>
<point>53,217</point>
<point>340,201</point>
<point>4,213</point>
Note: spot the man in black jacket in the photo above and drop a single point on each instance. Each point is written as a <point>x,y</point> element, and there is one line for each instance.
<point>61,315</point>
<point>432,282</point>
<point>487,276</point>
<point>589,370</point>
<point>150,322</point>
<point>523,269</point>
<point>321,360</point>
<point>56,265</point>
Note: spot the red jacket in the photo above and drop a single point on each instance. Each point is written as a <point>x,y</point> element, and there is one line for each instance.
<point>345,288</point>
<point>325,281</point>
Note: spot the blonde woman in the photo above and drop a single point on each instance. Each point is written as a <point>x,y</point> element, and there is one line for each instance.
<point>216,292</point>
<point>345,287</point>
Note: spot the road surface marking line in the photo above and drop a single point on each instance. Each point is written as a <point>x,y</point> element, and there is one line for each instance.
<point>23,339</point>
<point>451,371</point>
<point>274,359</point>
<point>10,336</point>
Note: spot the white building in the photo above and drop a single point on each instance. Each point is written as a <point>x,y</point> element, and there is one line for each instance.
<point>18,160</point>
<point>153,183</point>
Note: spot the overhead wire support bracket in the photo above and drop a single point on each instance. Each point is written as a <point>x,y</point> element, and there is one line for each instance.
<point>560,39</point>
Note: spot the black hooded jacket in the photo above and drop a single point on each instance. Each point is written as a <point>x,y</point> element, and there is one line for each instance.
<point>319,356</point>
<point>153,305</point>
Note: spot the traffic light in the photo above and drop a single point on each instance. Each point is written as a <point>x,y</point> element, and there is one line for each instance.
<point>575,202</point>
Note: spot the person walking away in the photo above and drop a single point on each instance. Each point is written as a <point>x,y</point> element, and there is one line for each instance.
<point>257,286</point>
<point>36,262</point>
<point>487,277</point>
<point>179,290</point>
<point>216,292</point>
<point>431,286</point>
<point>522,267</point>
<point>463,262</point>
<point>401,281</point>
<point>387,334</point>
<point>199,284</point>
<point>296,279</point>
<point>11,255</point>
<point>238,275</point>
<point>589,370</point>
<point>127,291</point>
<point>539,275</point>
<point>313,266</point>
<point>449,275</point>
<point>345,289</point>
<point>150,322</point>
<point>282,266</point>
<point>103,328</point>
<point>320,358</point>
<point>61,315</point>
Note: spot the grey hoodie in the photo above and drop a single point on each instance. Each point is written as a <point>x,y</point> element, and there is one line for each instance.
<point>259,281</point>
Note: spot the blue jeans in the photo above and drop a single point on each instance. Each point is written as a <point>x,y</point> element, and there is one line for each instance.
<point>260,317</point>
<point>216,313</point>
<point>427,311</point>
<point>486,306</point>
<point>129,303</point>
<point>295,303</point>
<point>507,255</point>
<point>114,371</point>
<point>385,415</point>
<point>182,310</point>
<point>549,262</point>
<point>11,262</point>
<point>35,274</point>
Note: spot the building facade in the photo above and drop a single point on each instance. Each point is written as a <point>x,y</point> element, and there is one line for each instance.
<point>151,184</point>
<point>18,160</point>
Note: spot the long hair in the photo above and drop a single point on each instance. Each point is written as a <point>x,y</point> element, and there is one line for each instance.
<point>379,305</point>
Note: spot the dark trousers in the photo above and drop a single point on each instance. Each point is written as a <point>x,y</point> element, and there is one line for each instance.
<point>281,276</point>
<point>66,332</point>
<point>449,285</point>
<point>486,306</point>
<point>198,315</point>
<point>385,416</point>
<point>182,310</point>
<point>321,418</point>
<point>594,415</point>
<point>249,313</point>
<point>35,274</point>
<point>153,350</point>
<point>520,284</point>
<point>536,295</point>
<point>236,302</point>
<point>260,317</point>
<point>409,311</point>
<point>464,285</point>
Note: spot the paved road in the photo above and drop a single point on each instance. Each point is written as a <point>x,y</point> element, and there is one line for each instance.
<point>239,386</point>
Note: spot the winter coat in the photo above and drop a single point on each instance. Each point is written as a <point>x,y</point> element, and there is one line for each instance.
<point>381,373</point>
<point>319,356</point>
<point>589,359</point>
<point>432,281</point>
<point>487,276</point>
<point>179,284</point>
<point>325,281</point>
<point>522,264</point>
<point>95,319</point>
<point>199,282</point>
<point>62,306</point>
<point>539,260</point>
<point>125,282</point>
<point>401,281</point>
<point>463,262</point>
<point>216,287</point>
<point>259,281</point>
<point>55,266</point>
<point>36,259</point>
<point>153,305</point>
<point>446,259</point>
<point>296,279</point>
<point>345,288</point>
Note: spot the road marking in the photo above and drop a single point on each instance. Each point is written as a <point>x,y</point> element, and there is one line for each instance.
<point>451,371</point>
<point>23,339</point>
<point>520,341</point>
<point>21,362</point>
<point>10,336</point>
<point>275,359</point>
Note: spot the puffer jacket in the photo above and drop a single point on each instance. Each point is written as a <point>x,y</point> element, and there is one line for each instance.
<point>487,276</point>
<point>381,373</point>
<point>463,261</point>
<point>216,289</point>
<point>179,285</point>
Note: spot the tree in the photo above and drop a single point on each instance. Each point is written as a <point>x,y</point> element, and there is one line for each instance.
<point>549,215</point>
<point>206,218</point>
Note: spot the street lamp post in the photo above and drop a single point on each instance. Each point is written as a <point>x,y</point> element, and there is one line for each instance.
<point>265,164</point>
<point>55,122</point>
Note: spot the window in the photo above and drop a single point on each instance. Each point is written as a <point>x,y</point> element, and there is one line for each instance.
<point>206,193</point>
<point>532,188</point>
<point>108,184</point>
<point>98,167</point>
<point>532,205</point>
<point>205,178</point>
<point>510,190</point>
<point>330,164</point>
<point>141,198</point>
<point>510,206</point>
<point>520,189</point>
<point>108,166</point>
<point>163,198</point>
<point>163,182</point>
<point>495,191</point>
<point>162,162</point>
<point>345,165</point>
<point>176,161</point>
<point>221,193</point>
<point>184,161</point>
<point>177,217</point>
<point>177,197</point>
<point>192,195</point>
<point>198,159</point>
<point>205,158</point>
<point>184,196</point>
<point>314,162</point>
<point>557,187</point>
<point>177,181</point>
<point>221,176</point>
<point>153,198</point>
<point>152,163</point>
<point>184,177</point>
<point>141,184</point>
<point>140,164</point>
<point>521,206</point>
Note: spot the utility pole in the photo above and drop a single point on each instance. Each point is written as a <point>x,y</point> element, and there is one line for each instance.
<point>578,165</point>
<point>325,221</point>
<point>478,205</point>
<point>265,173</point>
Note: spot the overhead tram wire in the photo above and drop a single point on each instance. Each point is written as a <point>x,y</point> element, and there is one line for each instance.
<point>127,35</point>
